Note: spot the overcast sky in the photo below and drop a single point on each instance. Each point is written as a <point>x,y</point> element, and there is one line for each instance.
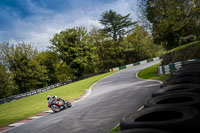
<point>36,21</point>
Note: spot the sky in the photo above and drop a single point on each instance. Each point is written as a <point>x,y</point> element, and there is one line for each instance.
<point>36,21</point>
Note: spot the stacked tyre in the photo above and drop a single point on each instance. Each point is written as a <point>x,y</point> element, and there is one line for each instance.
<point>174,108</point>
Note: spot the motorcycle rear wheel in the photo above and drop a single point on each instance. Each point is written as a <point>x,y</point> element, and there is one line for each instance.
<point>69,104</point>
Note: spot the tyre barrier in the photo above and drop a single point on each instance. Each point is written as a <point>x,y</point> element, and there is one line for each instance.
<point>179,88</point>
<point>185,74</point>
<point>143,130</point>
<point>189,68</point>
<point>172,119</point>
<point>173,67</point>
<point>181,80</point>
<point>174,108</point>
<point>193,62</point>
<point>190,65</point>
<point>175,99</point>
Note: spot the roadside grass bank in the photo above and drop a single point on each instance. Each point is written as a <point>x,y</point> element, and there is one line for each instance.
<point>147,73</point>
<point>181,53</point>
<point>26,107</point>
<point>151,73</point>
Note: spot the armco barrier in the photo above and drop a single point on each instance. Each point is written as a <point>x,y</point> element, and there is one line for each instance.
<point>170,68</point>
<point>33,92</point>
<point>134,64</point>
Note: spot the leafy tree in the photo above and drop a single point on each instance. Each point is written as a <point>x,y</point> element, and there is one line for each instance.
<point>142,17</point>
<point>73,49</point>
<point>139,45</point>
<point>27,72</point>
<point>102,50</point>
<point>56,69</point>
<point>7,84</point>
<point>115,24</point>
<point>172,19</point>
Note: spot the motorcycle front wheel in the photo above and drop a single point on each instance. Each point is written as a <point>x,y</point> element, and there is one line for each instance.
<point>69,104</point>
<point>55,108</point>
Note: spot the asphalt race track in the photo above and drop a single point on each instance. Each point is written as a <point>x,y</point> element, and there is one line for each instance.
<point>113,97</point>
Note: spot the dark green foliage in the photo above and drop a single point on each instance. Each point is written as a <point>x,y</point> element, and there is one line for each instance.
<point>103,51</point>
<point>7,84</point>
<point>136,46</point>
<point>72,48</point>
<point>56,70</point>
<point>172,19</point>
<point>115,24</point>
<point>27,73</point>
<point>139,46</point>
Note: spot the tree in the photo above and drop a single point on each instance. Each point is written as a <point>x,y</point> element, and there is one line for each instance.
<point>27,73</point>
<point>172,19</point>
<point>115,24</point>
<point>73,49</point>
<point>7,84</point>
<point>56,69</point>
<point>142,17</point>
<point>139,45</point>
<point>103,52</point>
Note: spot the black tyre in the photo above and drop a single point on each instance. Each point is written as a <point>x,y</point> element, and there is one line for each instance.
<point>175,99</point>
<point>191,64</point>
<point>55,108</point>
<point>181,80</point>
<point>173,119</point>
<point>184,74</point>
<point>194,71</point>
<point>178,88</point>
<point>143,130</point>
<point>69,104</point>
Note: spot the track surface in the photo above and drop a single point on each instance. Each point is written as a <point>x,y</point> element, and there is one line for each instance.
<point>112,98</point>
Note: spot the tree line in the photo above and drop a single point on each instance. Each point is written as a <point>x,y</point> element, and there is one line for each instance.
<point>75,52</point>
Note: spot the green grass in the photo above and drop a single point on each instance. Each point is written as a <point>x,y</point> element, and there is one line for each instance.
<point>26,107</point>
<point>151,73</point>
<point>115,129</point>
<point>182,46</point>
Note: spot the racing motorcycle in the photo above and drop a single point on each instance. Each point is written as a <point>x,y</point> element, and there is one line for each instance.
<point>57,106</point>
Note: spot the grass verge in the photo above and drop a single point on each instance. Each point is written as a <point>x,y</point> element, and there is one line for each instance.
<point>151,73</point>
<point>26,107</point>
<point>115,129</point>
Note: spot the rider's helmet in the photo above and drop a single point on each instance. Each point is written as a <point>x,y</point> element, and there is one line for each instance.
<point>54,97</point>
<point>48,97</point>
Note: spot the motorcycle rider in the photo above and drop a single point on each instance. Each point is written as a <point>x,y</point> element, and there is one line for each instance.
<point>49,99</point>
<point>53,99</point>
